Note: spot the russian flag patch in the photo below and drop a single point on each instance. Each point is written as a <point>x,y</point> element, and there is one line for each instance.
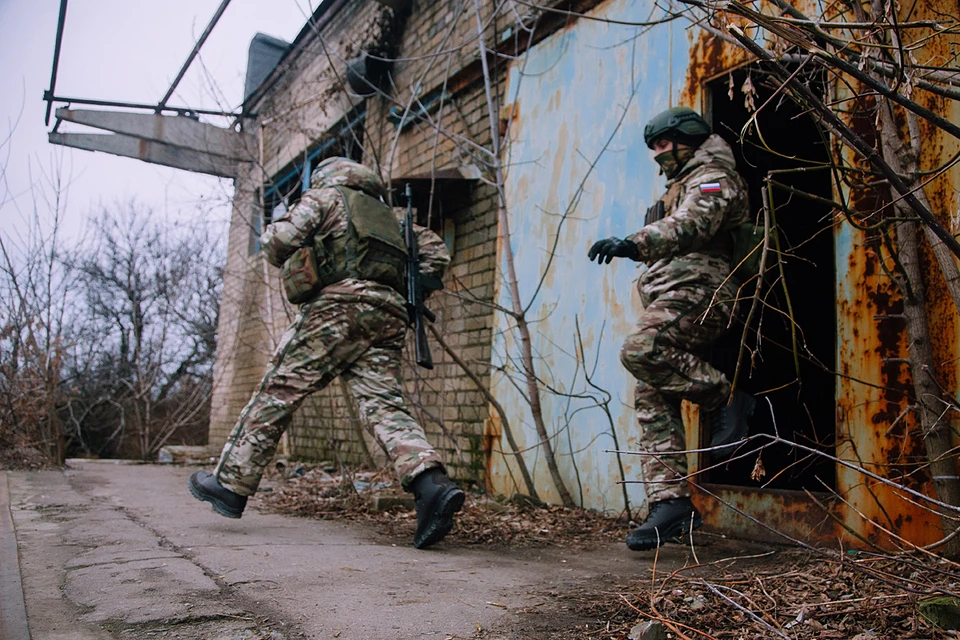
<point>711,187</point>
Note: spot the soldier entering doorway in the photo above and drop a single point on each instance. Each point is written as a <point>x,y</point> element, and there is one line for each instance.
<point>689,299</point>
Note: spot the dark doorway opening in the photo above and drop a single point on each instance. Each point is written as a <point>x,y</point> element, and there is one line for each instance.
<point>799,406</point>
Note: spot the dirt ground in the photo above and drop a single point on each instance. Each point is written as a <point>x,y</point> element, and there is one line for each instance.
<point>113,550</point>
<point>755,592</point>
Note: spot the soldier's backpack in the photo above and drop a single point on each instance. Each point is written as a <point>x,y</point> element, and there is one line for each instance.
<point>372,249</point>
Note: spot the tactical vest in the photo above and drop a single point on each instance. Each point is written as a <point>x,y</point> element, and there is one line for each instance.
<point>742,243</point>
<point>371,249</point>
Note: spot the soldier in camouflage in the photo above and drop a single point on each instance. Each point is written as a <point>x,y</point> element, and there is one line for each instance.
<point>689,300</point>
<point>351,327</point>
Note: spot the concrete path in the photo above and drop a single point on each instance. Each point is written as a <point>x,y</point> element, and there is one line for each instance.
<point>112,550</point>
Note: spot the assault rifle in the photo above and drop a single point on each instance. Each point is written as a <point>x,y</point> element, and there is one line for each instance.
<point>416,283</point>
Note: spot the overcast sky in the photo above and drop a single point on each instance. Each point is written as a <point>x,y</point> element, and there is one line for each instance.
<point>124,50</point>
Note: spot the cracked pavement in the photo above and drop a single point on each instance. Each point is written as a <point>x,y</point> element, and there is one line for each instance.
<point>121,550</point>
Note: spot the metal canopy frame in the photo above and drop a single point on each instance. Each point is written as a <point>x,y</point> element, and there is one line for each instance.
<point>50,96</point>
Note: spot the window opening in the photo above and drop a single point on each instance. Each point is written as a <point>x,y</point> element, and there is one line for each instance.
<point>438,200</point>
<point>805,410</point>
<point>287,186</point>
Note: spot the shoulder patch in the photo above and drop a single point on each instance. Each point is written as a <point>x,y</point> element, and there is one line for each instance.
<point>711,187</point>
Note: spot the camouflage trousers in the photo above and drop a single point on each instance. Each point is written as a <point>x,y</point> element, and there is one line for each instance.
<point>665,356</point>
<point>358,341</point>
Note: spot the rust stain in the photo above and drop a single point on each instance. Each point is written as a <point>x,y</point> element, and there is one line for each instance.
<point>492,433</point>
<point>938,149</point>
<point>876,431</point>
<point>709,57</point>
<point>792,513</point>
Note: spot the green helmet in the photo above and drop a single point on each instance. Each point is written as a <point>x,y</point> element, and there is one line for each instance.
<point>345,172</point>
<point>679,124</point>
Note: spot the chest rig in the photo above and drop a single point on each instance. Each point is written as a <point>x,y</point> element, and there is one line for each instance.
<point>665,205</point>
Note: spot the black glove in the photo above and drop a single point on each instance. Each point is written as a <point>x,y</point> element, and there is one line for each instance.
<point>606,250</point>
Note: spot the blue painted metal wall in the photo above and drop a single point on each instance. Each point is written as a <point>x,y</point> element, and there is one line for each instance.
<point>577,170</point>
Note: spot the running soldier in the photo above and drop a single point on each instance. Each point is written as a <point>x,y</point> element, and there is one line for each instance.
<point>344,262</point>
<point>689,300</point>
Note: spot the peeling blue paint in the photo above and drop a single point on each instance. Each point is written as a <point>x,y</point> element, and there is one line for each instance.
<point>566,99</point>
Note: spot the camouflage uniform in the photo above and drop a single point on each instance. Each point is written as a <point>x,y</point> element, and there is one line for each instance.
<point>354,329</point>
<point>688,302</point>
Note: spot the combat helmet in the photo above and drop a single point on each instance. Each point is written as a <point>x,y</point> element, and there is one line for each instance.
<point>344,172</point>
<point>678,124</point>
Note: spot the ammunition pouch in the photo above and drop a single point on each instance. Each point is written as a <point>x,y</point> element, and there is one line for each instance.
<point>654,213</point>
<point>301,279</point>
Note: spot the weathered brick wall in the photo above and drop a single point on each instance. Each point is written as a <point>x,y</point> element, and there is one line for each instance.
<point>300,108</point>
<point>308,100</point>
<point>245,333</point>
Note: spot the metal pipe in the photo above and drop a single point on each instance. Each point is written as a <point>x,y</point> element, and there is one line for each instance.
<point>48,94</point>
<point>193,54</point>
<point>137,105</point>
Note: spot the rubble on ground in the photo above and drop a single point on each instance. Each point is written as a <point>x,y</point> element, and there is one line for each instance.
<point>783,593</point>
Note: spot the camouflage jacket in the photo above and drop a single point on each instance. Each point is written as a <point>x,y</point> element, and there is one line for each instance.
<point>321,210</point>
<point>691,245</point>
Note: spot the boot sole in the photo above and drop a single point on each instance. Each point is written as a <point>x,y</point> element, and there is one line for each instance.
<point>442,522</point>
<point>217,504</point>
<point>672,534</point>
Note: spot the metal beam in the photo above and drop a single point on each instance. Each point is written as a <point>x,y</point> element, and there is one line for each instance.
<point>177,131</point>
<point>147,107</point>
<point>148,151</point>
<point>48,94</point>
<point>193,54</point>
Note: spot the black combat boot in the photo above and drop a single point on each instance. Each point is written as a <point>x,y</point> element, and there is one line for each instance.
<point>667,521</point>
<point>729,424</point>
<point>205,487</point>
<point>437,499</point>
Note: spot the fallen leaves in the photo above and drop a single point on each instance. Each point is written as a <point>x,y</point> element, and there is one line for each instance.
<point>789,594</point>
<point>322,493</point>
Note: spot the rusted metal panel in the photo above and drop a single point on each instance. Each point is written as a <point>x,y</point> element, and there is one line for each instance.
<point>871,398</point>
<point>876,430</point>
<point>938,150</point>
<point>769,514</point>
<point>565,100</point>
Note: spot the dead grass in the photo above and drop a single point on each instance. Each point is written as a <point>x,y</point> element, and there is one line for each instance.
<point>516,523</point>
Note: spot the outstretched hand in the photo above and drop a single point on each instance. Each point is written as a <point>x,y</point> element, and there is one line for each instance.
<point>608,249</point>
